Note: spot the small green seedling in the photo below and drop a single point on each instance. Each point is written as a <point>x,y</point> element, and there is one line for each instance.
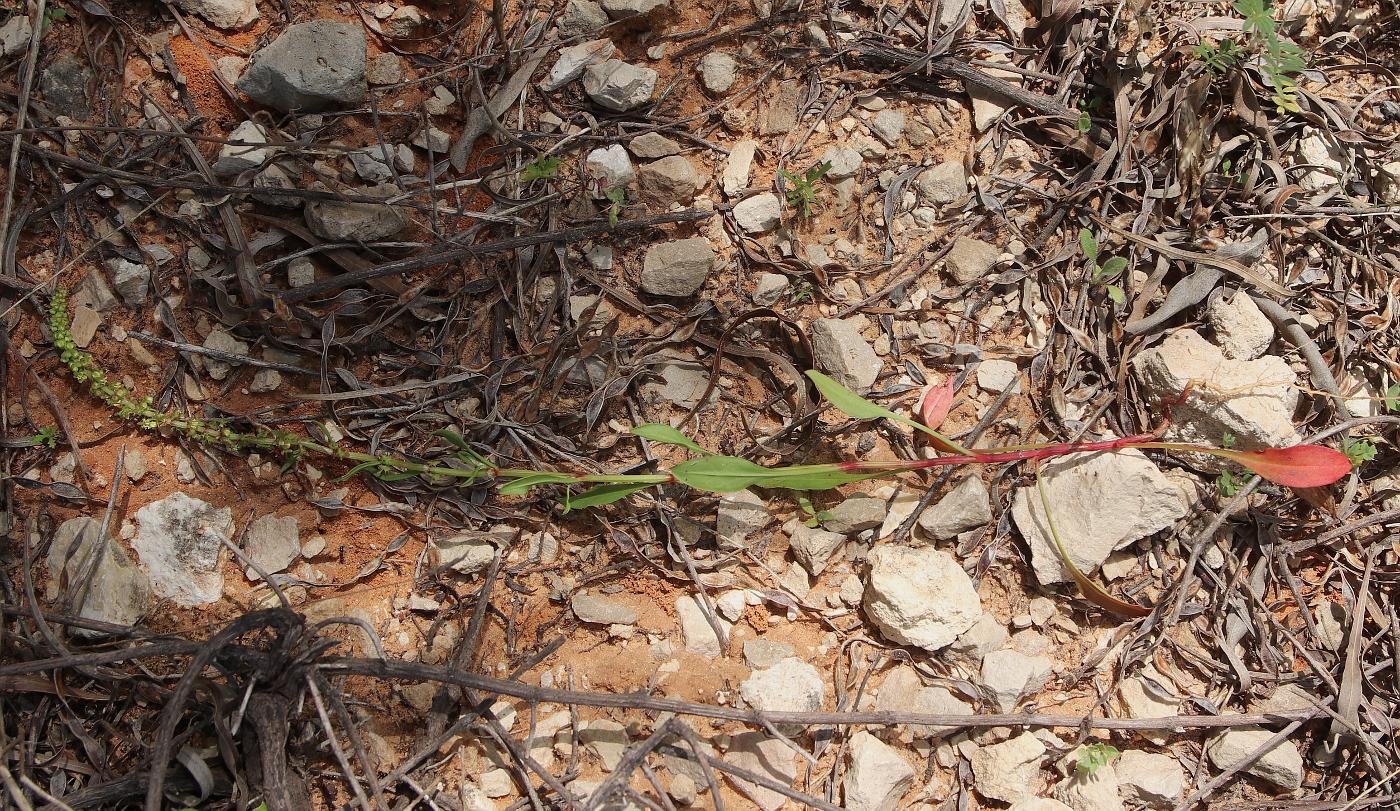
<point>52,15</point>
<point>1103,274</point>
<point>1279,61</point>
<point>803,193</point>
<point>1392,397</point>
<point>1227,484</point>
<point>1093,757</point>
<point>1227,440</point>
<point>617,201</point>
<point>801,291</point>
<point>543,167</point>
<point>1359,450</point>
<point>1084,123</point>
<point>1219,57</point>
<point>815,517</point>
<point>47,436</point>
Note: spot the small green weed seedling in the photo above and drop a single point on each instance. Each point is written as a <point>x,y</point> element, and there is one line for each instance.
<point>802,194</point>
<point>1227,484</point>
<point>1093,757</point>
<point>815,517</point>
<point>1359,450</point>
<point>617,201</point>
<point>1280,59</point>
<point>1103,274</point>
<point>543,167</point>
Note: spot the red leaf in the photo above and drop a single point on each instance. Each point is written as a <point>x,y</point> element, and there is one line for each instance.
<point>934,402</point>
<point>1298,466</point>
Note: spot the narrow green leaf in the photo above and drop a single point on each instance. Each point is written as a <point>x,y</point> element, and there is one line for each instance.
<point>719,474</point>
<point>1114,266</point>
<point>522,485</point>
<point>853,405</point>
<point>665,434</point>
<point>453,437</point>
<point>1089,245</point>
<point>602,494</point>
<point>830,477</point>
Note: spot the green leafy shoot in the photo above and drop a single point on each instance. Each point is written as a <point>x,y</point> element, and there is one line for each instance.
<point>543,167</point>
<point>1227,484</point>
<point>1227,440</point>
<point>802,194</point>
<point>1103,274</point>
<point>1093,757</point>
<point>1219,58</point>
<point>52,15</point>
<point>801,291</point>
<point>617,201</point>
<point>47,436</point>
<point>1280,60</point>
<point>665,434</point>
<point>1392,397</point>
<point>815,517</point>
<point>1359,450</point>
<point>853,405</point>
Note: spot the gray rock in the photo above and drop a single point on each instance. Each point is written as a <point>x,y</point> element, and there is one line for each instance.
<point>64,85</point>
<point>1149,779</point>
<point>840,351</point>
<point>695,630</point>
<point>919,596</point>
<point>1281,767</point>
<point>581,17</point>
<point>94,292</point>
<point>1011,675</point>
<point>606,739</point>
<point>814,547</point>
<point>84,325</point>
<point>312,66</point>
<point>677,268</point>
<point>769,288</point>
<point>1039,804</point>
<point>759,213</point>
<point>132,280</point>
<point>432,139</point>
<point>353,222</point>
<point>222,13</point>
<point>273,543</point>
<point>234,159</point>
<point>598,611</point>
<point>1323,160</point>
<point>573,60</point>
<point>385,68</point>
<point>737,167</point>
<point>275,186</point>
<point>941,184</point>
<point>682,384</point>
<point>763,755</point>
<point>740,515</point>
<point>608,168</point>
<point>666,181</point>
<point>761,653</point>
<point>877,777</point>
<point>301,272</point>
<point>717,71</point>
<point>855,514</point>
<point>468,553</point>
<point>970,259</point>
<point>94,576</point>
<point>996,376</point>
<point>180,543</point>
<point>14,35</point>
<point>1007,771</point>
<point>136,466</point>
<point>1241,330</point>
<point>653,145</point>
<point>619,86</point>
<point>626,9</point>
<point>1092,526</point>
<point>265,381</point>
<point>375,163</point>
<point>1252,399</point>
<point>888,126</point>
<point>791,685</point>
<point>404,22</point>
<point>1149,695</point>
<point>1091,792</point>
<point>845,162</point>
<point>223,342</point>
<point>902,691</point>
<point>965,507</point>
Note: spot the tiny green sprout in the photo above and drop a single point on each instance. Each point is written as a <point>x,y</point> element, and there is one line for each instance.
<point>801,291</point>
<point>1103,273</point>
<point>617,200</point>
<point>543,167</point>
<point>52,15</point>
<point>1219,58</point>
<point>803,193</point>
<point>47,436</point>
<point>1227,485</point>
<point>1359,450</point>
<point>1392,397</point>
<point>1093,757</point>
<point>1227,440</point>
<point>1084,123</point>
<point>814,517</point>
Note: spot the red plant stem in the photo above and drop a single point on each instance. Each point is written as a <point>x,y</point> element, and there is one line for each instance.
<point>995,457</point>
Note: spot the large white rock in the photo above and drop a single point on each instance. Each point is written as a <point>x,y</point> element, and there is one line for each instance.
<point>180,542</point>
<point>1149,695</point>
<point>617,85</point>
<point>762,212</point>
<point>737,167</point>
<point>677,268</point>
<point>608,168</point>
<point>919,596</point>
<point>1241,329</point>
<point>877,776</point>
<point>1252,399</point>
<point>1280,767</point>
<point>1007,771</point>
<point>1100,502</point>
<point>791,685</point>
<point>1150,779</point>
<point>574,59</point>
<point>1010,675</point>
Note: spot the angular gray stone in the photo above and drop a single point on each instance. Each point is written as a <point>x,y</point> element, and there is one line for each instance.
<point>902,691</point>
<point>1091,792</point>
<point>767,756</point>
<point>666,181</point>
<point>312,66</point>
<point>840,351</point>
<point>1007,771</point>
<point>94,292</point>
<point>877,777</point>
<point>1281,767</point>
<point>619,86</point>
<point>581,17</point>
<point>759,213</point>
<point>222,13</point>
<point>1241,329</point>
<point>941,184</point>
<point>234,159</point>
<point>1149,695</point>
<point>468,553</point>
<point>855,514</point>
<point>965,507</point>
<point>606,739</point>
<point>1092,521</point>
<point>845,162</point>
<point>598,611</point>
<point>272,543</point>
<point>761,653</point>
<point>737,167</point>
<point>997,375</point>
<point>94,576</point>
<point>385,68</point>
<point>1149,779</point>
<point>14,35</point>
<point>970,259</point>
<point>682,384</point>
<point>740,515</point>
<point>1011,675</point>
<point>626,9</point>
<point>1254,399</point>
<point>265,381</point>
<point>888,126</point>
<point>769,288</point>
<point>574,59</point>
<point>695,629</point>
<point>677,268</point>
<point>84,325</point>
<point>717,71</point>
<point>353,222</point>
<point>814,547</point>
<point>791,685</point>
<point>132,280</point>
<point>64,85</point>
<point>653,145</point>
<point>608,168</point>
<point>919,596</point>
<point>180,543</point>
<point>374,163</point>
<point>222,342</point>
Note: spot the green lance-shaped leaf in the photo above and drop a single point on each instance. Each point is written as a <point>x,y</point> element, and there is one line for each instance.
<point>853,405</point>
<point>727,474</point>
<point>522,485</point>
<point>665,434</point>
<point>602,494</point>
